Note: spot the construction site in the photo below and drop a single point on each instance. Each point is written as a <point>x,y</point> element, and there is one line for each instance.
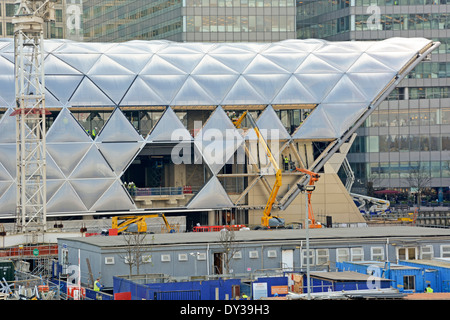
<point>153,144</point>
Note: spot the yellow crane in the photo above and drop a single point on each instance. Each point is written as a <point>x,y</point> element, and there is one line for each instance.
<point>122,223</point>
<point>239,120</point>
<point>267,220</point>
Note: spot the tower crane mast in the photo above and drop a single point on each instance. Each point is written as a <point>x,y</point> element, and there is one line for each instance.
<point>30,112</point>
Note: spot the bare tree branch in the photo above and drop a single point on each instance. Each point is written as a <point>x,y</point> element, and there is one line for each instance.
<point>136,246</point>
<point>227,240</point>
<point>418,178</point>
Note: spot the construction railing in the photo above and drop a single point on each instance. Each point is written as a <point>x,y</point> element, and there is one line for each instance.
<point>30,251</point>
<point>164,191</point>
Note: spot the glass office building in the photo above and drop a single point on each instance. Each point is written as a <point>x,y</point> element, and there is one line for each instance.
<point>410,131</point>
<point>189,20</point>
<point>54,29</point>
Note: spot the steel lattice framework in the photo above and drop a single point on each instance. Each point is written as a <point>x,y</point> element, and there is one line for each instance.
<point>30,114</point>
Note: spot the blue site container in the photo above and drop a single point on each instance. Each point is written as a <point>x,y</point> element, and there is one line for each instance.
<point>436,273</point>
<point>407,279</point>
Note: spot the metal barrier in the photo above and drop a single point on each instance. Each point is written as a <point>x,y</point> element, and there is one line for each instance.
<point>34,250</point>
<point>178,295</point>
<point>163,191</point>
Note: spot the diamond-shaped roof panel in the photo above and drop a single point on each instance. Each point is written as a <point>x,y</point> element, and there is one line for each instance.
<point>172,70</point>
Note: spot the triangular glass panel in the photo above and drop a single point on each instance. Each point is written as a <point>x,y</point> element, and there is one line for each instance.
<point>4,175</point>
<point>256,47</point>
<point>393,45</point>
<point>4,186</point>
<point>159,66</point>
<point>341,61</point>
<point>51,101</point>
<point>319,85</point>
<point>66,129</point>
<point>343,116</point>
<point>293,92</point>
<point>80,48</point>
<point>219,121</point>
<point>90,190</point>
<point>287,60</point>
<point>211,196</point>
<point>67,155</point>
<point>8,158</point>
<point>262,65</point>
<point>232,48</point>
<point>50,46</point>
<point>7,83</point>
<point>8,201</point>
<point>185,62</point>
<point>191,93</point>
<point>313,64</point>
<point>134,62</point>
<point>88,94</point>
<point>118,129</point>
<point>345,91</point>
<point>237,62</point>
<point>8,56</point>
<point>169,129</point>
<point>345,47</point>
<point>279,47</point>
<point>218,140</point>
<point>8,128</point>
<point>371,84</point>
<point>176,48</point>
<point>119,155</point>
<point>6,66</point>
<point>366,64</point>
<point>62,87</point>
<point>52,170</point>
<point>269,121</point>
<point>141,94</point>
<point>307,45</point>
<point>115,198</point>
<point>316,126</point>
<point>210,66</point>
<point>52,186</point>
<point>133,48</point>
<point>93,165</point>
<point>107,66</point>
<point>4,103</point>
<point>268,85</point>
<point>114,86</point>
<point>65,200</point>
<point>217,86</point>
<point>55,66</point>
<point>81,62</point>
<point>140,46</point>
<point>394,60</point>
<point>166,86</point>
<point>243,93</point>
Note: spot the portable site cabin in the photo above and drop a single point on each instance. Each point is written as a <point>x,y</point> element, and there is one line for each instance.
<point>436,272</point>
<point>407,279</point>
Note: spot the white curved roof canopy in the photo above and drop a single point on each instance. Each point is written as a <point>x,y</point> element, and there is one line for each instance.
<point>344,80</point>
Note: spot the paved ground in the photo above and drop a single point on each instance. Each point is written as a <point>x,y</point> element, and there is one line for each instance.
<point>428,296</point>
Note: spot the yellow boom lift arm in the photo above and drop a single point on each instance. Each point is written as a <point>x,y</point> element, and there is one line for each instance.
<point>267,220</point>
<point>122,223</point>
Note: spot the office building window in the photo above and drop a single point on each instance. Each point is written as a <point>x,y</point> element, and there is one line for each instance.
<point>377,253</point>
<point>342,254</point>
